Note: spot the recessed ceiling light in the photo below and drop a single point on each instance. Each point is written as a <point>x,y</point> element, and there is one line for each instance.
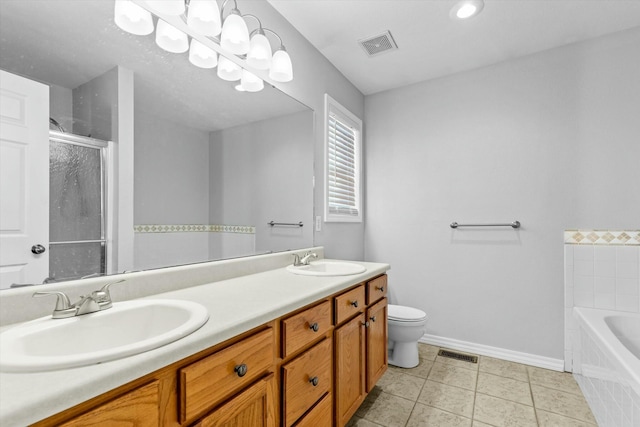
<point>466,9</point>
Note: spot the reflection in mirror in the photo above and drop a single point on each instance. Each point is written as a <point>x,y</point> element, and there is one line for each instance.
<point>153,162</point>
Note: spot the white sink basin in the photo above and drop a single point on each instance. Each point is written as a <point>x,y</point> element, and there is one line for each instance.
<point>327,268</point>
<point>128,328</point>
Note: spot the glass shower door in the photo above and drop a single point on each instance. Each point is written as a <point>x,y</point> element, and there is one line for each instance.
<point>78,244</point>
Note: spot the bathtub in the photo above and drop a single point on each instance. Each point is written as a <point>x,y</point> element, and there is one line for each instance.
<point>607,364</point>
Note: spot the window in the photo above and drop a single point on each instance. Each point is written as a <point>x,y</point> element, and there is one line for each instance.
<point>343,148</point>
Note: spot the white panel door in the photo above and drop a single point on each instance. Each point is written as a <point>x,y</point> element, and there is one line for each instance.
<point>24,180</point>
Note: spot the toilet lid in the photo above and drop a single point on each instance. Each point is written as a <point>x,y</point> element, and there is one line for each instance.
<point>405,314</point>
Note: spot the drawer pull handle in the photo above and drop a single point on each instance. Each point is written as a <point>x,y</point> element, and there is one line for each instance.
<point>241,370</point>
<point>373,318</point>
<point>354,303</point>
<point>380,288</point>
<point>314,381</point>
<point>314,327</point>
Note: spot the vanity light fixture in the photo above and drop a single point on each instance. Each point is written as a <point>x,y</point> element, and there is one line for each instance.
<point>466,9</point>
<point>205,18</point>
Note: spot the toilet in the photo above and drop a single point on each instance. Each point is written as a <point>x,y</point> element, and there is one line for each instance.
<point>406,326</point>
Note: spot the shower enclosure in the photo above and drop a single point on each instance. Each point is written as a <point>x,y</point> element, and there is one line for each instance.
<point>77,208</point>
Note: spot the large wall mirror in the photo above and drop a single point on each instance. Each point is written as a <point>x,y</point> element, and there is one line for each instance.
<point>211,166</point>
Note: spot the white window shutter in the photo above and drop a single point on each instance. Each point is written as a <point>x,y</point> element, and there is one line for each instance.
<point>343,164</point>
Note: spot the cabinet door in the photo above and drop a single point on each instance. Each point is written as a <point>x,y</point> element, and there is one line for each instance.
<point>305,380</point>
<point>137,408</point>
<point>349,368</point>
<point>376,342</point>
<point>253,407</point>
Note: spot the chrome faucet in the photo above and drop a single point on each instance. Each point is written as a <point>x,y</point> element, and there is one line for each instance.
<point>298,262</point>
<point>95,301</point>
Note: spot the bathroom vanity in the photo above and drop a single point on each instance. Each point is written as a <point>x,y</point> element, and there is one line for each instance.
<point>279,349</point>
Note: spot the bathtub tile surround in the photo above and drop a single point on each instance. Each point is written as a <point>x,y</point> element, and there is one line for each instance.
<point>602,272</point>
<point>599,272</point>
<point>500,393</point>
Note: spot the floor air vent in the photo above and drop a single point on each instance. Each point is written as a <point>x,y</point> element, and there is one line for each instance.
<point>458,356</point>
<point>378,44</point>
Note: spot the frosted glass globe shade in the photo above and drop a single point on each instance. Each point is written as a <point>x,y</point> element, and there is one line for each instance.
<point>201,55</point>
<point>235,35</point>
<point>259,55</point>
<point>132,18</point>
<point>204,17</point>
<point>281,67</point>
<point>250,82</point>
<point>170,38</point>
<point>228,70</point>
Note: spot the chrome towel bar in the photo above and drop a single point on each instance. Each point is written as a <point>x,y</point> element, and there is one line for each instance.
<point>285,224</point>
<point>514,224</point>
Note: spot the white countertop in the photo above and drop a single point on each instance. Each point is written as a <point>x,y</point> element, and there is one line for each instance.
<point>235,306</point>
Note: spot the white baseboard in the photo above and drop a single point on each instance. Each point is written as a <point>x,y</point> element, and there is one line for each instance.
<point>498,353</point>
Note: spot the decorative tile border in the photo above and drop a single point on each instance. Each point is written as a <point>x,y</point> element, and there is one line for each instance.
<point>193,228</point>
<point>602,237</point>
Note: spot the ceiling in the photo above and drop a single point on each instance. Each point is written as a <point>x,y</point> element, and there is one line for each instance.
<point>70,42</point>
<point>432,45</point>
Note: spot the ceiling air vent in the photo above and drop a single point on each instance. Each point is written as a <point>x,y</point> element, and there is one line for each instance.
<point>378,44</point>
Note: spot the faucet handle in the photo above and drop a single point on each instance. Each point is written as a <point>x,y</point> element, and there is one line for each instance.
<point>62,303</point>
<point>103,294</point>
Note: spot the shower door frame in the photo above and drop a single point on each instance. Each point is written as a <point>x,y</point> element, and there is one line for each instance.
<point>106,183</point>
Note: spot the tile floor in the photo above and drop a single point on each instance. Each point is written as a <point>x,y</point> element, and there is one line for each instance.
<point>443,392</point>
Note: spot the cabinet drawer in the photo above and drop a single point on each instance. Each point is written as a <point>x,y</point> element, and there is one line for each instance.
<point>299,376</point>
<point>349,304</point>
<point>376,289</point>
<point>320,416</point>
<point>253,407</point>
<point>303,328</point>
<point>214,378</point>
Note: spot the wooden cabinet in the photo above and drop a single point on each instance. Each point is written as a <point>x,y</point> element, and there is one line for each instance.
<point>252,407</point>
<point>305,380</point>
<point>310,368</point>
<point>138,407</point>
<point>376,342</point>
<point>349,368</point>
<point>360,345</point>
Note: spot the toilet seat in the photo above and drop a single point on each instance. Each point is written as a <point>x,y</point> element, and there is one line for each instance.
<point>400,313</point>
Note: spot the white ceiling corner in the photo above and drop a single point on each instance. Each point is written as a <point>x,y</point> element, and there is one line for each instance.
<point>432,45</point>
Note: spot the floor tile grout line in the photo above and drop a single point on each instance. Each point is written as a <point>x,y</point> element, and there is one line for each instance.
<point>475,394</point>
<point>533,399</point>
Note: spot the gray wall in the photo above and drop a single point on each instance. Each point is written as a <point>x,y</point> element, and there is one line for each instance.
<point>550,139</point>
